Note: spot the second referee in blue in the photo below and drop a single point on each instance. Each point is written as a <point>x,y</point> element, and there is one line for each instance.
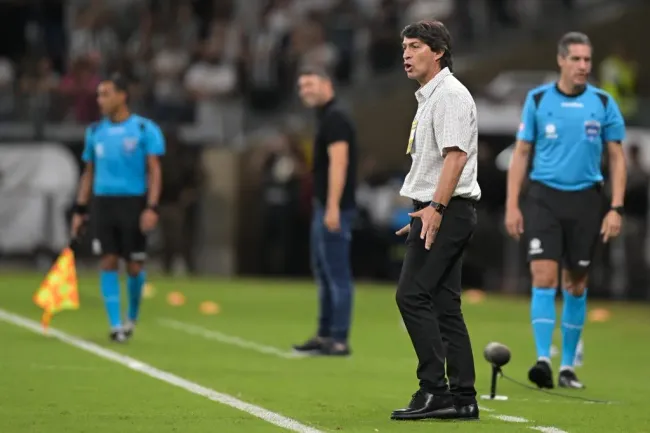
<point>567,124</point>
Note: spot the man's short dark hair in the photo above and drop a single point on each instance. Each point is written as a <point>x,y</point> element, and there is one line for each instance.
<point>314,70</point>
<point>435,35</point>
<point>120,82</point>
<point>571,38</point>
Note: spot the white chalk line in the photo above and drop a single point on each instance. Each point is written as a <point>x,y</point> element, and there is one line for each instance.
<point>139,366</point>
<point>226,339</point>
<point>520,420</point>
<point>548,429</point>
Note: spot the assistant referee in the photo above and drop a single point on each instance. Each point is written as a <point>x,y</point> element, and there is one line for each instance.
<point>443,185</point>
<point>124,178</point>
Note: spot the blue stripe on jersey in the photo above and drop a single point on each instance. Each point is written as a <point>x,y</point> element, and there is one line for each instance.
<point>119,154</point>
<point>568,132</point>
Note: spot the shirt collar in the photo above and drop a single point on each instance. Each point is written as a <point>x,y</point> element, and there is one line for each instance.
<point>320,111</point>
<point>425,92</point>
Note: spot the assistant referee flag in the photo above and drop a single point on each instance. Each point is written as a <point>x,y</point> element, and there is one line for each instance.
<point>59,290</point>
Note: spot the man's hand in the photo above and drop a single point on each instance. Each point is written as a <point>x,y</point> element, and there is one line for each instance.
<point>78,221</point>
<point>431,220</point>
<point>333,218</point>
<point>148,220</point>
<point>404,230</point>
<point>611,226</point>
<point>514,222</point>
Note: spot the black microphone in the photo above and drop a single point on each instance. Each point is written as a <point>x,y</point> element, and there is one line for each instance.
<point>497,355</point>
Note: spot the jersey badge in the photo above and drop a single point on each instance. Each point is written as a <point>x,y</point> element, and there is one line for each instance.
<point>592,129</point>
<point>130,143</point>
<point>551,130</point>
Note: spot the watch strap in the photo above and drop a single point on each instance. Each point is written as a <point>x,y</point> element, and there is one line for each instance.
<point>439,207</point>
<point>619,209</point>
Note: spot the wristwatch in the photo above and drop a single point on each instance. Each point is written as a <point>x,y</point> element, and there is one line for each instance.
<point>80,209</point>
<point>439,207</point>
<point>619,209</point>
<point>153,207</point>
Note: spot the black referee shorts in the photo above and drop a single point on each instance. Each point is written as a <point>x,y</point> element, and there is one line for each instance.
<point>563,225</point>
<point>116,227</point>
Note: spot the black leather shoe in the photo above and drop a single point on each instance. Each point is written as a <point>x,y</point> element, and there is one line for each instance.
<point>467,412</point>
<point>425,405</point>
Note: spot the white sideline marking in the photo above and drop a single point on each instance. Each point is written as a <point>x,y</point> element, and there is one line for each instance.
<point>520,420</point>
<point>227,339</point>
<point>548,429</point>
<point>508,418</point>
<point>134,364</point>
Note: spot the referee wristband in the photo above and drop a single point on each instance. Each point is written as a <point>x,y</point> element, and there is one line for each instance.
<point>80,209</point>
<point>618,209</point>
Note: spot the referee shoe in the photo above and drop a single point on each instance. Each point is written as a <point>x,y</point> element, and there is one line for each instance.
<point>541,375</point>
<point>118,336</point>
<point>129,328</point>
<point>569,379</point>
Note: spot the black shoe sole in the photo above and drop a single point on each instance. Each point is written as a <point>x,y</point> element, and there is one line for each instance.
<point>540,379</point>
<point>444,413</point>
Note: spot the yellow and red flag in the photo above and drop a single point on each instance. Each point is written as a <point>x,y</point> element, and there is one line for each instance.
<point>59,289</point>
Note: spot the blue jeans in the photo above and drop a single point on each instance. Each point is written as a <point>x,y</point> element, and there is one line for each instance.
<point>330,262</point>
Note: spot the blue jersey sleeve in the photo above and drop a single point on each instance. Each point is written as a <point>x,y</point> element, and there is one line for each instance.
<point>88,154</point>
<point>614,129</point>
<point>527,128</point>
<point>155,140</point>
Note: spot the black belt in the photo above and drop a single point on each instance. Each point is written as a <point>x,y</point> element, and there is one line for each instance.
<point>417,205</point>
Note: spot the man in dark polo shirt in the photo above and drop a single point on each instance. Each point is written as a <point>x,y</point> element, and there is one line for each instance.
<point>334,174</point>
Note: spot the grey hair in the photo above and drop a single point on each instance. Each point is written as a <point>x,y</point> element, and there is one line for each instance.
<point>571,38</point>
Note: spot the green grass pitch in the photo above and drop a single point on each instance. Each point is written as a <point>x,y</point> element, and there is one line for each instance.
<point>49,386</point>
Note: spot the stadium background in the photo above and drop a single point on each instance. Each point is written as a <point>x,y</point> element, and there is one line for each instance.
<point>219,76</point>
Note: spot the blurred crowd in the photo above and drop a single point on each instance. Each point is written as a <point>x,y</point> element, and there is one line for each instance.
<point>208,61</point>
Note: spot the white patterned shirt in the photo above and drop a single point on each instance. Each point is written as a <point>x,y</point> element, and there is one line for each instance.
<point>446,118</point>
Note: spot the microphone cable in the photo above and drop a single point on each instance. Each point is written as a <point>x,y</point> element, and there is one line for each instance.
<point>558,394</point>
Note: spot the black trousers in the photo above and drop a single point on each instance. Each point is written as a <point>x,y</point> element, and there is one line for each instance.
<point>428,297</point>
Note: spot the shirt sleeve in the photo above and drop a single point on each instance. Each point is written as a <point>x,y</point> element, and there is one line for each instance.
<point>337,129</point>
<point>527,127</point>
<point>88,154</point>
<point>454,122</point>
<point>155,140</point>
<point>614,128</point>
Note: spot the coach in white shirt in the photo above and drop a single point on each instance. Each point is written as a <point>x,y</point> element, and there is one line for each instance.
<point>442,184</point>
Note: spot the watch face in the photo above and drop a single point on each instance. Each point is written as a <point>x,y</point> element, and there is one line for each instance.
<point>437,206</point>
